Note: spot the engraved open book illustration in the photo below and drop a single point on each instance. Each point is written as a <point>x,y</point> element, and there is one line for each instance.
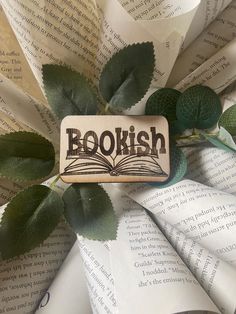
<point>176,247</point>
<point>134,165</point>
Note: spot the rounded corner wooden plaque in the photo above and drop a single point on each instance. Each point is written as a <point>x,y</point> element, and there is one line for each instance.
<point>114,149</point>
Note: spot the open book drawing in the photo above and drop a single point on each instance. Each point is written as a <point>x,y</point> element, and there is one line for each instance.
<point>176,247</point>
<point>134,165</point>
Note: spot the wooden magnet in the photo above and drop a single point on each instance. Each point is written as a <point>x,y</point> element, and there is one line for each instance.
<point>114,149</point>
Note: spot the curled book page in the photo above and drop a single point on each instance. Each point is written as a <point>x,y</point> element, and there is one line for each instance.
<point>13,63</point>
<point>218,72</point>
<point>68,292</point>
<point>28,111</point>
<point>55,34</point>
<point>215,275</point>
<point>156,275</point>
<point>203,214</point>
<point>217,35</point>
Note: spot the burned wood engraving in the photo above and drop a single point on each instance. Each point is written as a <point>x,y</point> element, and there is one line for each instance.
<point>114,149</point>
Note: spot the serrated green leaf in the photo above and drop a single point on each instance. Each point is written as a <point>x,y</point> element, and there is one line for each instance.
<point>178,167</point>
<point>199,107</point>
<point>25,156</point>
<point>28,220</point>
<point>223,140</point>
<point>68,92</point>
<point>126,78</point>
<point>228,120</point>
<point>89,211</point>
<point>163,102</point>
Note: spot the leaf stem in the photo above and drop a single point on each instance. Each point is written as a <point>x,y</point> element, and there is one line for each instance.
<point>196,139</point>
<point>106,110</point>
<point>189,137</point>
<point>52,185</point>
<point>194,132</point>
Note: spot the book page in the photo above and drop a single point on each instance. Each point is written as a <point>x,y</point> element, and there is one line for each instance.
<point>206,13</point>
<point>185,17</point>
<point>56,32</point>
<point>213,167</point>
<point>201,213</point>
<point>68,293</point>
<point>9,188</point>
<point>21,112</point>
<point>85,35</point>
<point>218,72</point>
<point>229,96</point>
<point>20,106</point>
<point>216,276</point>
<point>219,33</point>
<point>24,280</point>
<point>143,258</point>
<point>163,18</point>
<point>13,64</point>
<point>99,276</point>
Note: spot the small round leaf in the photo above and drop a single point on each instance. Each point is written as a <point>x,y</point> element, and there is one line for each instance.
<point>228,120</point>
<point>178,167</point>
<point>25,156</point>
<point>163,102</point>
<point>199,107</point>
<point>176,127</point>
<point>89,211</point>
<point>127,76</point>
<point>28,220</point>
<point>68,92</point>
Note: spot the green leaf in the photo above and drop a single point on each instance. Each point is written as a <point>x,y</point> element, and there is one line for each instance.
<point>25,156</point>
<point>126,78</point>
<point>176,127</point>
<point>28,220</point>
<point>163,102</point>
<point>178,167</point>
<point>223,140</point>
<point>68,92</point>
<point>199,107</point>
<point>89,211</point>
<point>228,120</point>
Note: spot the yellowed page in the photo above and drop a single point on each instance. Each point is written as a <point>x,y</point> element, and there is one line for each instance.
<point>13,64</point>
<point>85,35</point>
<point>28,111</point>
<point>56,32</point>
